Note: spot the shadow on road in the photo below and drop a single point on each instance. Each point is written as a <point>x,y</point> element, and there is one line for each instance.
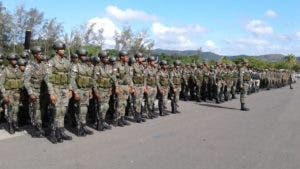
<point>217,106</point>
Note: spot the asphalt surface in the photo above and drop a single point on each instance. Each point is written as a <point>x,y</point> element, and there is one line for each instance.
<point>203,136</point>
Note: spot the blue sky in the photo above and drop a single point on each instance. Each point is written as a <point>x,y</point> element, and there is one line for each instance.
<point>226,27</point>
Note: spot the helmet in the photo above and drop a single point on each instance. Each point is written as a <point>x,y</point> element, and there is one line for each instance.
<point>193,65</point>
<point>1,56</point>
<point>151,58</point>
<point>199,64</point>
<point>123,53</point>
<point>22,62</point>
<point>96,59</point>
<point>74,56</point>
<point>163,62</point>
<point>25,55</point>
<point>112,60</point>
<point>131,60</point>
<point>81,52</point>
<point>45,57</point>
<point>177,62</point>
<point>12,56</point>
<point>58,45</point>
<point>138,55</point>
<point>36,49</point>
<point>103,54</point>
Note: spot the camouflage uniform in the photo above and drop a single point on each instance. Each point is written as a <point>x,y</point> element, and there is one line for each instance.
<point>11,82</point>
<point>59,87</point>
<point>163,88</point>
<point>82,83</point>
<point>33,78</point>
<point>175,82</point>
<point>104,80</point>
<point>244,78</point>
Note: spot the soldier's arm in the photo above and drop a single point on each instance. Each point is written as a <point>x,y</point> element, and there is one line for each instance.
<point>171,75</point>
<point>47,78</point>
<point>73,75</point>
<point>2,79</point>
<point>27,77</point>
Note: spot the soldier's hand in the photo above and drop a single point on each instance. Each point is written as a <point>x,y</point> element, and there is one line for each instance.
<point>146,90</point>
<point>97,95</point>
<point>117,91</point>
<point>53,99</point>
<point>70,93</point>
<point>131,90</point>
<point>5,99</point>
<point>76,97</point>
<point>33,98</point>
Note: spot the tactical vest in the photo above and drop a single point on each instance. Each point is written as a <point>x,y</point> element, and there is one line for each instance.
<point>151,80</point>
<point>163,81</point>
<point>138,77</point>
<point>246,77</point>
<point>60,77</point>
<point>103,82</point>
<point>13,80</point>
<point>83,81</point>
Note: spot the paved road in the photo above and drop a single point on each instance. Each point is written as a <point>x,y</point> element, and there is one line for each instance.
<point>205,136</point>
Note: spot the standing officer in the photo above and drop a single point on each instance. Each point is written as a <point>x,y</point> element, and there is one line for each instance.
<point>34,75</point>
<point>175,82</point>
<point>60,90</point>
<point>244,78</point>
<point>162,87</point>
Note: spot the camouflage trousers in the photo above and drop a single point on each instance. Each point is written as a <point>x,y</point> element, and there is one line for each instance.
<point>62,95</point>
<point>36,107</point>
<point>14,105</point>
<point>85,96</point>
<point>104,102</point>
<point>152,91</point>
<point>138,93</point>
<point>243,92</point>
<point>163,96</point>
<point>123,96</point>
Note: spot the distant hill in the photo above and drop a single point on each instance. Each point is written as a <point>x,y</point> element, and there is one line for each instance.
<point>214,56</point>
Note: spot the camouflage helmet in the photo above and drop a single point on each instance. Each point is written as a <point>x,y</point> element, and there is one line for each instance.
<point>131,60</point>
<point>103,54</point>
<point>25,55</point>
<point>36,49</point>
<point>12,56</point>
<point>59,45</point>
<point>193,65</point>
<point>212,67</point>
<point>177,62</point>
<point>163,62</point>
<point>123,53</point>
<point>81,52</point>
<point>112,60</point>
<point>187,65</point>
<point>1,58</point>
<point>138,55</point>
<point>151,58</point>
<point>96,59</point>
<point>22,62</point>
<point>45,58</point>
<point>74,56</point>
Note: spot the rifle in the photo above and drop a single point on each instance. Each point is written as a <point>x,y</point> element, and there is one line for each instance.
<point>32,113</point>
<point>52,110</point>
<point>96,107</point>
<point>7,113</point>
<point>115,102</point>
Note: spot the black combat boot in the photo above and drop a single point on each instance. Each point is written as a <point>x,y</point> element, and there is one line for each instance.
<point>243,107</point>
<point>11,129</point>
<point>39,132</point>
<point>52,136</point>
<point>16,126</point>
<point>120,123</point>
<point>124,121</point>
<point>106,126</point>
<point>86,130</point>
<point>79,131</point>
<point>58,135</point>
<point>141,117</point>
<point>99,125</point>
<point>64,135</point>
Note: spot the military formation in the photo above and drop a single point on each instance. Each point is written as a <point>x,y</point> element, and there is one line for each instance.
<point>81,92</point>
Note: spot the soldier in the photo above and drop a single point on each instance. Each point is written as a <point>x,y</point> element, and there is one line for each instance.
<point>162,87</point>
<point>60,90</point>
<point>175,82</point>
<point>151,87</point>
<point>244,78</point>
<point>11,82</point>
<point>34,75</point>
<point>124,87</point>
<point>82,83</point>
<point>185,79</point>
<point>104,80</point>
<point>139,81</point>
<point>198,78</point>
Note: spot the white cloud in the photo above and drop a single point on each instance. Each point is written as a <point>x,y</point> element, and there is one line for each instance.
<point>259,28</point>
<point>108,26</point>
<point>271,14</point>
<point>298,34</point>
<point>210,45</point>
<point>178,38</point>
<point>128,14</point>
